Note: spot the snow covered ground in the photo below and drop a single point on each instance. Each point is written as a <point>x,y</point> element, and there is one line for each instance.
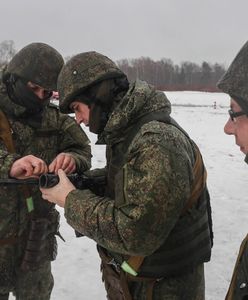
<point>76,269</point>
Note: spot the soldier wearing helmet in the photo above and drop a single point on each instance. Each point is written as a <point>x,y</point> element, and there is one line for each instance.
<point>235,83</point>
<point>152,224</point>
<point>35,138</point>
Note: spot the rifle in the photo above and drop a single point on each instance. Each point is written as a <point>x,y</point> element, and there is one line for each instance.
<point>81,181</point>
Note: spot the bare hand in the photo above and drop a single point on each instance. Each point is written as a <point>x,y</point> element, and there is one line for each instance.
<point>59,192</point>
<point>28,166</point>
<point>63,161</point>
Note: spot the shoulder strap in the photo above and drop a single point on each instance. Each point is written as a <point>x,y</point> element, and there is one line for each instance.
<point>5,133</point>
<point>6,137</point>
<point>199,183</point>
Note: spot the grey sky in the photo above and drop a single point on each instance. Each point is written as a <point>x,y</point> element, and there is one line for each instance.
<point>193,30</point>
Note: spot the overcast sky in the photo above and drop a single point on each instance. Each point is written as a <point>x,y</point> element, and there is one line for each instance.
<point>182,30</point>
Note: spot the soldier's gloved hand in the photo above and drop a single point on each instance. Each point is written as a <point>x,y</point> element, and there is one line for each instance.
<point>28,166</point>
<point>59,192</point>
<point>64,161</point>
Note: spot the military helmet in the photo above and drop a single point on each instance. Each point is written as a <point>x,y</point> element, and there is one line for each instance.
<point>39,63</point>
<point>235,80</point>
<point>81,72</point>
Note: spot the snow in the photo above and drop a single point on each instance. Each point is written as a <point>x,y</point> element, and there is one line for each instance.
<point>76,270</point>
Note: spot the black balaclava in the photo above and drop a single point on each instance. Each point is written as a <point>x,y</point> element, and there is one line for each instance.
<point>20,94</point>
<point>102,99</point>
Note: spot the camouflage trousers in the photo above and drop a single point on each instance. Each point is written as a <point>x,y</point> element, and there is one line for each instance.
<point>33,285</point>
<point>190,286</point>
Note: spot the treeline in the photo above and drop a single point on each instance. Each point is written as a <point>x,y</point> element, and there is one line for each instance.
<point>165,75</point>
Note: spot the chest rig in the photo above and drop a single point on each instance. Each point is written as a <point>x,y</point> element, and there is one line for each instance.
<point>191,240</point>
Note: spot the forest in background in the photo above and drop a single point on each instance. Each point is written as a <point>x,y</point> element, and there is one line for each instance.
<point>163,74</point>
<point>167,76</point>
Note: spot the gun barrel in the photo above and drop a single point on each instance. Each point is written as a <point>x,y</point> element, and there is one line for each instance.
<point>11,181</point>
<point>96,183</point>
<point>48,180</point>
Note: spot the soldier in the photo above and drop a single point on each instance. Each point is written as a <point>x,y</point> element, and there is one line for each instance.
<point>153,222</point>
<point>235,83</point>
<point>34,138</point>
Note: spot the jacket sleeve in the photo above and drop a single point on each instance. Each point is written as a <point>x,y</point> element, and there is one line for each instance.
<point>6,160</point>
<point>150,192</point>
<point>74,140</point>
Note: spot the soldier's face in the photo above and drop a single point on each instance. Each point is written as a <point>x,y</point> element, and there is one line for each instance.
<point>238,126</point>
<point>39,91</point>
<point>82,112</point>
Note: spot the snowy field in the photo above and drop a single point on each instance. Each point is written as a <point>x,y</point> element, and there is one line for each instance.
<point>76,270</point>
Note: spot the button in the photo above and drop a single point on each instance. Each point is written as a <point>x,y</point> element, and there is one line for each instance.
<point>242,285</point>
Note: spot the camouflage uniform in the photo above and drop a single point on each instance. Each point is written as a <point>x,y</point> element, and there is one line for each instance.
<point>44,137</point>
<point>234,83</point>
<point>146,195</point>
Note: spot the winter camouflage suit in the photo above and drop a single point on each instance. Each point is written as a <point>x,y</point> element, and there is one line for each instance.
<point>148,187</point>
<point>235,83</point>
<point>43,135</point>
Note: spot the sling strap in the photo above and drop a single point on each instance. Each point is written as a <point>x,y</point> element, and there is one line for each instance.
<point>5,133</point>
<point>199,183</point>
<point>6,137</point>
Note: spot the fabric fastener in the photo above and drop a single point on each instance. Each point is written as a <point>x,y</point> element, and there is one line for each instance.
<point>113,263</point>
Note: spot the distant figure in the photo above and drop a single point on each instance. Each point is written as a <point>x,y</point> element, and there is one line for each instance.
<point>235,83</point>
<point>153,224</point>
<point>214,104</point>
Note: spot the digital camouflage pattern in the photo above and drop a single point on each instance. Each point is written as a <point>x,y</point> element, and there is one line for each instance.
<point>39,63</point>
<point>234,81</point>
<point>75,77</point>
<point>44,138</point>
<point>150,192</point>
<point>238,288</point>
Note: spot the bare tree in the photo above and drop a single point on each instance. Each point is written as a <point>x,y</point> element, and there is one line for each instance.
<point>7,51</point>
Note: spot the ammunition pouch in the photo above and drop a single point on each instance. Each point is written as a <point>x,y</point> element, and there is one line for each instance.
<point>41,243</point>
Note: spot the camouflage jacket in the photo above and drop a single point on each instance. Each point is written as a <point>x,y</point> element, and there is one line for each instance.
<point>238,288</point>
<point>150,190</point>
<point>53,134</point>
